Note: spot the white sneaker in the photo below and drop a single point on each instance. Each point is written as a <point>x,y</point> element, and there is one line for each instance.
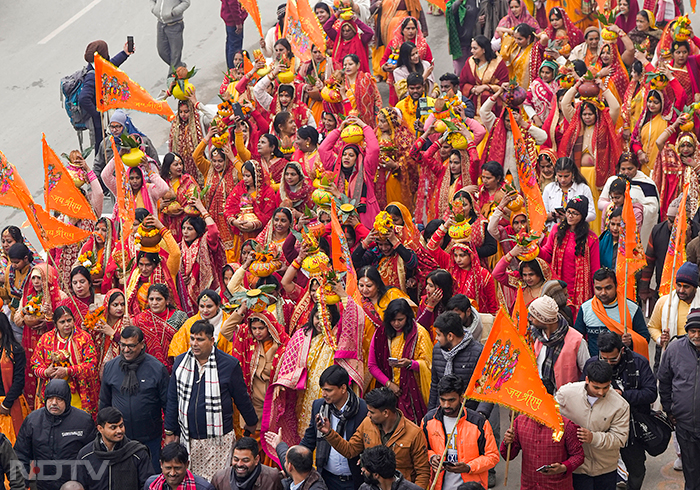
<point>678,464</point>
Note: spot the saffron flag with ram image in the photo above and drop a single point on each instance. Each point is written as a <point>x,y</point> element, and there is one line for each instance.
<point>115,90</point>
<point>302,29</point>
<point>60,193</point>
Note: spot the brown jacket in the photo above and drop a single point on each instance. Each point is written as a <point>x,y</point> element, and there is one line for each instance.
<point>407,442</point>
<point>269,479</point>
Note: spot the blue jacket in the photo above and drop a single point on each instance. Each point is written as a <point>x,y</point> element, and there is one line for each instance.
<point>638,381</point>
<point>232,388</point>
<point>142,411</point>
<point>591,326</point>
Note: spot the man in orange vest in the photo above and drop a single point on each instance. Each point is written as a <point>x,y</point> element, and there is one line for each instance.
<point>560,350</point>
<point>471,450</point>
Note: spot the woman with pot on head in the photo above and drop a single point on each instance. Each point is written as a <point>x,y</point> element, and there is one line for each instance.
<point>306,153</point>
<point>174,207</point>
<point>159,322</point>
<point>484,72</point>
<point>13,367</point>
<point>686,68</point>
<point>82,298</point>
<point>655,119</point>
<point>410,61</point>
<point>354,169</point>
<point>295,188</point>
<point>152,265</point>
<point>351,36</point>
<point>400,357</point>
<point>250,204</point>
<point>122,257</point>
<point>359,92</point>
<point>203,256</point>
<point>678,164</point>
<point>185,134</point>
<point>530,275</point>
<point>41,295</point>
<point>209,309</point>
<point>572,238</point>
<point>569,183</point>
<point>408,31</point>
<point>521,51</point>
<point>106,326</point>
<point>101,244</point>
<point>67,352</point>
<point>221,175</point>
<point>643,190</point>
<point>438,291</point>
<point>462,262</point>
<point>611,64</point>
<point>397,176</point>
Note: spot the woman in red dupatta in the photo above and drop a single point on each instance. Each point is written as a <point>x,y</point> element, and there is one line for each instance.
<point>203,257</point>
<point>67,352</point>
<point>159,322</point>
<point>397,176</point>
<point>677,160</point>
<point>185,135</point>
<point>330,337</point>
<point>250,204</point>
<point>270,156</point>
<point>346,39</point>
<point>183,186</point>
<point>292,104</point>
<point>258,345</point>
<point>221,175</point>
<point>402,339</point>
<point>462,262</point>
<point>295,188</point>
<point>408,30</point>
<point>34,315</point>
<point>360,92</point>
<point>101,244</point>
<point>307,155</point>
<point>562,30</point>
<point>106,328</point>
<point>153,266</point>
<point>617,78</point>
<point>82,299</point>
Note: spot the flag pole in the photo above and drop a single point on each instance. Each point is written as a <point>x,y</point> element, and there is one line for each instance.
<point>447,443</point>
<point>624,294</point>
<point>512,419</point>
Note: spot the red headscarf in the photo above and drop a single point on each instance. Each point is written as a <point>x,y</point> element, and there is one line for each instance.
<point>574,33</point>
<point>342,48</point>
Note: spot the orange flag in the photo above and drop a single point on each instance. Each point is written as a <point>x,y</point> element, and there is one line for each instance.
<point>125,199</point>
<point>441,4</point>
<point>59,191</point>
<point>507,374</point>
<point>310,25</point>
<point>528,181</point>
<point>340,255</point>
<point>8,173</point>
<point>51,232</point>
<point>251,6</point>
<point>630,253</point>
<point>295,34</point>
<point>114,90</point>
<point>520,313</point>
<point>675,256</point>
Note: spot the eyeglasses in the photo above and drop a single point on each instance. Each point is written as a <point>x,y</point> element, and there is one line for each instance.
<point>610,360</point>
<point>571,212</point>
<point>128,346</point>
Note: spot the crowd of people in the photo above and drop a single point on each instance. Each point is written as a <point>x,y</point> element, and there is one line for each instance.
<point>313,269</point>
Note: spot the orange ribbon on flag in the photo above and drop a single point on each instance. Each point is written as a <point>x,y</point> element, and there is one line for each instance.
<point>630,253</point>
<point>115,90</point>
<point>507,374</point>
<point>59,191</point>
<point>251,6</point>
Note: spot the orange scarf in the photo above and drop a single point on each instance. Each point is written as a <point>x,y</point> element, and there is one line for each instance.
<point>639,343</point>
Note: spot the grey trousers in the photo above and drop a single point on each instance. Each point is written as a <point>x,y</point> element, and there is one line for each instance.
<point>169,42</point>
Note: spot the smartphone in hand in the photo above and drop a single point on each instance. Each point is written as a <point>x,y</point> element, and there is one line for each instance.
<point>130,43</point>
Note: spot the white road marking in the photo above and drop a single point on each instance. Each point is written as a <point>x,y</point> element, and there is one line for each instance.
<point>58,30</point>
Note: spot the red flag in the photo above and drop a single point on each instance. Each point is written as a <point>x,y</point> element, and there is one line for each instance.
<point>507,374</point>
<point>59,191</point>
<point>528,181</point>
<point>114,89</point>
<point>251,6</point>
<point>125,199</point>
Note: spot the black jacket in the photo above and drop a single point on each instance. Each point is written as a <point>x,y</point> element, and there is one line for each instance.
<point>48,437</point>
<point>679,384</point>
<point>313,482</point>
<point>142,412</point>
<point>312,440</point>
<point>463,366</point>
<point>8,468</point>
<point>400,483</point>
<point>19,364</point>
<point>129,471</point>
<point>232,388</point>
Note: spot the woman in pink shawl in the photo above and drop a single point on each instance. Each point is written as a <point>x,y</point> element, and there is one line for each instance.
<point>309,352</point>
<point>147,186</point>
<point>349,37</point>
<point>354,169</point>
<point>517,14</point>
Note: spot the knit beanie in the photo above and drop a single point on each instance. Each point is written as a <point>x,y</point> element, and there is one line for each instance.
<point>544,309</point>
<point>99,46</point>
<point>688,274</point>
<point>580,204</point>
<point>693,319</point>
